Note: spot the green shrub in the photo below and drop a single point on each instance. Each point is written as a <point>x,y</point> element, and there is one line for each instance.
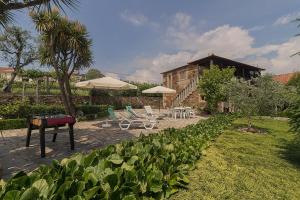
<point>150,167</point>
<point>100,110</point>
<point>6,124</point>
<point>294,115</point>
<point>21,109</point>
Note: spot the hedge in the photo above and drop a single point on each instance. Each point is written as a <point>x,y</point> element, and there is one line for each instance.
<point>15,114</point>
<point>24,110</point>
<point>6,124</point>
<point>150,167</point>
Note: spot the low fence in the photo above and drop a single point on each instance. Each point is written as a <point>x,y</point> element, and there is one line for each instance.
<point>117,101</point>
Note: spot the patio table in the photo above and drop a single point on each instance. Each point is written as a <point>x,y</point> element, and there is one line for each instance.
<point>51,121</point>
<point>179,110</point>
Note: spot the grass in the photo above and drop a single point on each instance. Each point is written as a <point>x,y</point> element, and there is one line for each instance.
<point>248,166</point>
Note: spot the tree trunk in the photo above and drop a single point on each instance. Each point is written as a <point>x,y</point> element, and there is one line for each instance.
<point>47,85</point>
<point>63,95</point>
<point>69,96</point>
<point>37,91</point>
<point>7,87</point>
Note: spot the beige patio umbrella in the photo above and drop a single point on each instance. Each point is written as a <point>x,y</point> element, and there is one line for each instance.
<point>106,83</point>
<point>159,90</point>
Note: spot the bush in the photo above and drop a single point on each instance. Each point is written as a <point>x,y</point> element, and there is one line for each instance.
<point>6,124</point>
<point>151,167</point>
<point>23,110</point>
<point>294,115</point>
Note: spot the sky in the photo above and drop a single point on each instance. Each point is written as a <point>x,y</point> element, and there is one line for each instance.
<point>138,39</point>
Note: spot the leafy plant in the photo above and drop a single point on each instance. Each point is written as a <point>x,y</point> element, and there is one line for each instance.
<point>150,167</point>
<point>212,85</point>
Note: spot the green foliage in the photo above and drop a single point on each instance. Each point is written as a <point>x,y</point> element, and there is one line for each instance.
<point>260,96</point>
<point>93,73</point>
<point>294,115</point>
<point>242,95</point>
<point>18,50</point>
<point>151,167</point>
<point>271,95</point>
<point>20,110</point>
<point>6,124</point>
<point>34,73</point>
<point>65,45</point>
<point>212,85</point>
<point>295,82</point>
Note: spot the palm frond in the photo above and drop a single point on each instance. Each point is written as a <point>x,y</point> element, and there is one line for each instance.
<point>7,6</point>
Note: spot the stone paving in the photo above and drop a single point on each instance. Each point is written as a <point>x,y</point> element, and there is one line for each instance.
<point>14,156</point>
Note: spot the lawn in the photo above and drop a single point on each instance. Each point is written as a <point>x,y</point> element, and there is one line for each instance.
<point>248,166</point>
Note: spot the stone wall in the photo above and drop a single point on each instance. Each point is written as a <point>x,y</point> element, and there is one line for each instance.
<point>118,101</point>
<point>178,83</point>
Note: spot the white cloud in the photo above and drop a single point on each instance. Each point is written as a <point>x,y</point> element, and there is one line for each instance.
<point>228,41</point>
<point>286,19</point>
<point>136,19</point>
<point>113,75</point>
<point>256,28</point>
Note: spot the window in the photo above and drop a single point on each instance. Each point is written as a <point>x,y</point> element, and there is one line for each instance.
<point>182,75</point>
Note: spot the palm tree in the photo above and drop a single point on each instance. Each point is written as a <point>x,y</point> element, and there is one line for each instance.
<point>7,6</point>
<point>65,46</point>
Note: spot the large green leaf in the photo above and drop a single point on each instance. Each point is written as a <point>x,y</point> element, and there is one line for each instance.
<point>115,159</point>
<point>30,194</point>
<point>12,195</point>
<point>89,194</point>
<point>42,187</point>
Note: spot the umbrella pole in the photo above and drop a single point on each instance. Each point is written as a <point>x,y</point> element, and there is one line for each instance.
<point>159,105</point>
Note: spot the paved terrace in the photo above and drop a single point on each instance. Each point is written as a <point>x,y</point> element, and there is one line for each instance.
<point>14,156</point>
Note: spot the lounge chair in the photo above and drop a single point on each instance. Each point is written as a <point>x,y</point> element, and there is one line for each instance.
<point>133,113</point>
<point>125,122</point>
<point>150,113</point>
<point>135,119</point>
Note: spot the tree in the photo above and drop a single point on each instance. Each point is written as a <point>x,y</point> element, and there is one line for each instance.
<point>18,49</point>
<point>93,73</point>
<point>242,96</point>
<point>271,95</point>
<point>66,47</point>
<point>295,82</point>
<point>7,6</point>
<point>212,85</point>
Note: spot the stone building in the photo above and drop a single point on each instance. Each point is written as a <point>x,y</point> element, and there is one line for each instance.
<point>185,79</point>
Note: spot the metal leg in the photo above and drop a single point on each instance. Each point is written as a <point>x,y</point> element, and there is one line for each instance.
<point>71,133</point>
<point>29,129</point>
<point>42,141</point>
<point>2,135</point>
<point>55,134</point>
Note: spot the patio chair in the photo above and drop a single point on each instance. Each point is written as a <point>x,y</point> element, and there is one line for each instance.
<point>133,119</point>
<point>150,113</point>
<point>133,113</point>
<point>125,122</point>
<point>189,112</point>
<point>112,118</point>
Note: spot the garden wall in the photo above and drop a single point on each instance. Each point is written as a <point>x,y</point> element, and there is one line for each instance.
<point>116,101</point>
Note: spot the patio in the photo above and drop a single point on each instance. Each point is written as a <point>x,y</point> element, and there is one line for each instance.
<point>14,156</point>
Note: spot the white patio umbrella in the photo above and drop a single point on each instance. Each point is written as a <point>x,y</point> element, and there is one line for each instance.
<point>106,83</point>
<point>159,90</point>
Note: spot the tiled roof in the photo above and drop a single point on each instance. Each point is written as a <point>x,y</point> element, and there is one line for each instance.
<point>6,70</point>
<point>284,78</point>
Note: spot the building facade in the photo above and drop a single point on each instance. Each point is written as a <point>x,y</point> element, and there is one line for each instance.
<point>185,79</point>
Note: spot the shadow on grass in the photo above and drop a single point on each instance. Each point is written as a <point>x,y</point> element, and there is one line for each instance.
<point>292,152</point>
